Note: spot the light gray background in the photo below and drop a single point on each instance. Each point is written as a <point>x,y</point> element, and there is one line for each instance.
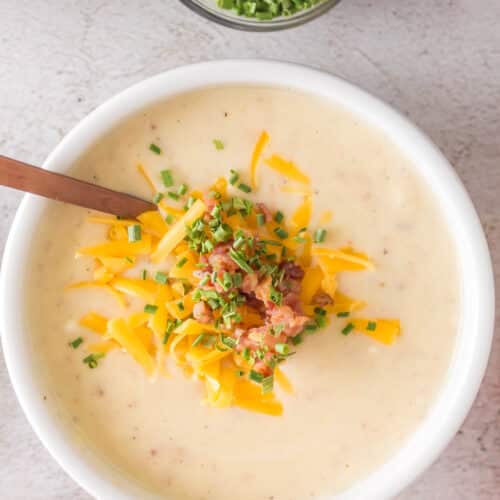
<point>438,61</point>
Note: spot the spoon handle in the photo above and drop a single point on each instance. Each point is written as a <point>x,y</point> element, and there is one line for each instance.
<point>25,177</point>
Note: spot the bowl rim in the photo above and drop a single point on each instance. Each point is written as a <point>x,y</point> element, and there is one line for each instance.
<point>473,343</point>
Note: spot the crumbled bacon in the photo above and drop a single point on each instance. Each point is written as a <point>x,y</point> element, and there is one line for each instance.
<point>202,312</point>
<point>322,299</point>
<point>220,260</point>
<point>262,208</point>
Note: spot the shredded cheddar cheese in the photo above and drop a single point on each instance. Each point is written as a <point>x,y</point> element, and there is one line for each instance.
<point>257,152</point>
<point>211,262</point>
<point>287,168</point>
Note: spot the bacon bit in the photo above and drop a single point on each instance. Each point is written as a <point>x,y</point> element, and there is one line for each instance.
<point>293,271</point>
<point>249,284</point>
<point>284,315</point>
<point>202,312</point>
<point>263,290</point>
<point>220,260</point>
<point>322,299</point>
<point>262,208</point>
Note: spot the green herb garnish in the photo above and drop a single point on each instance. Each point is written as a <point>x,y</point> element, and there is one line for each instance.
<point>256,376</point>
<point>181,262</point>
<point>282,349</point>
<point>150,308</point>
<point>275,296</point>
<point>280,233</point>
<point>218,144</point>
<point>75,343</point>
<point>319,235</point>
<point>278,216</point>
<point>239,258</point>
<point>166,177</point>
<point>156,149</point>
<point>92,359</point>
<point>158,197</point>
<point>244,187</point>
<point>348,329</point>
<point>233,177</point>
<point>134,233</point>
<point>198,340</point>
<point>371,326</point>
<point>343,314</point>
<point>161,278</point>
<point>267,384</point>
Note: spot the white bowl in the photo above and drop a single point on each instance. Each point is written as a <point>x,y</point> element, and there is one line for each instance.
<point>476,323</point>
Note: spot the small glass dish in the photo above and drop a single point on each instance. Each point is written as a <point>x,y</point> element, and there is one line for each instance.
<point>229,18</point>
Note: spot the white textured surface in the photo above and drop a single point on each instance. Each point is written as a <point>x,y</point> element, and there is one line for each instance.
<point>438,61</point>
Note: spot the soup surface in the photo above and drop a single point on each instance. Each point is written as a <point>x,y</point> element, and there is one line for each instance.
<point>356,400</point>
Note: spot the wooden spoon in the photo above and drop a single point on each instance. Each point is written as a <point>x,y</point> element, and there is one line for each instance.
<point>25,177</point>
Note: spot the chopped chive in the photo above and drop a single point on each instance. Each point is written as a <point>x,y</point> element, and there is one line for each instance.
<point>245,354</point>
<point>240,260</point>
<point>198,340</point>
<point>171,325</point>
<point>169,219</point>
<point>215,195</point>
<point>190,202</point>
<point>228,341</point>
<point>150,308</point>
<point>173,196</point>
<point>261,219</point>
<point>158,197</point>
<point>310,328</point>
<point>299,239</point>
<point>348,328</point>
<point>75,343</point>
<point>92,359</point>
<point>182,189</point>
<point>277,329</point>
<point>342,314</point>
<point>161,278</point>
<point>237,279</point>
<point>319,235</point>
<point>233,177</point>
<point>278,216</point>
<point>129,260</point>
<point>156,149</point>
<point>280,232</point>
<point>134,233</point>
<point>180,305</point>
<point>205,280</point>
<point>239,242</point>
<point>275,296</point>
<point>272,242</point>
<point>298,339</point>
<point>239,373</point>
<point>371,326</point>
<point>282,349</point>
<point>320,311</point>
<point>267,384</point>
<point>244,187</point>
<point>166,177</point>
<point>181,262</point>
<point>256,376</point>
<point>218,144</point>
<point>144,274</point>
<point>321,321</point>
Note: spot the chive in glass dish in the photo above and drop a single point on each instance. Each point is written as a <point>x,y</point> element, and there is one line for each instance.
<point>259,15</point>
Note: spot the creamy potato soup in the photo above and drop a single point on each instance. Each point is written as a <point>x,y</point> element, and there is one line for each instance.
<point>355,401</point>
